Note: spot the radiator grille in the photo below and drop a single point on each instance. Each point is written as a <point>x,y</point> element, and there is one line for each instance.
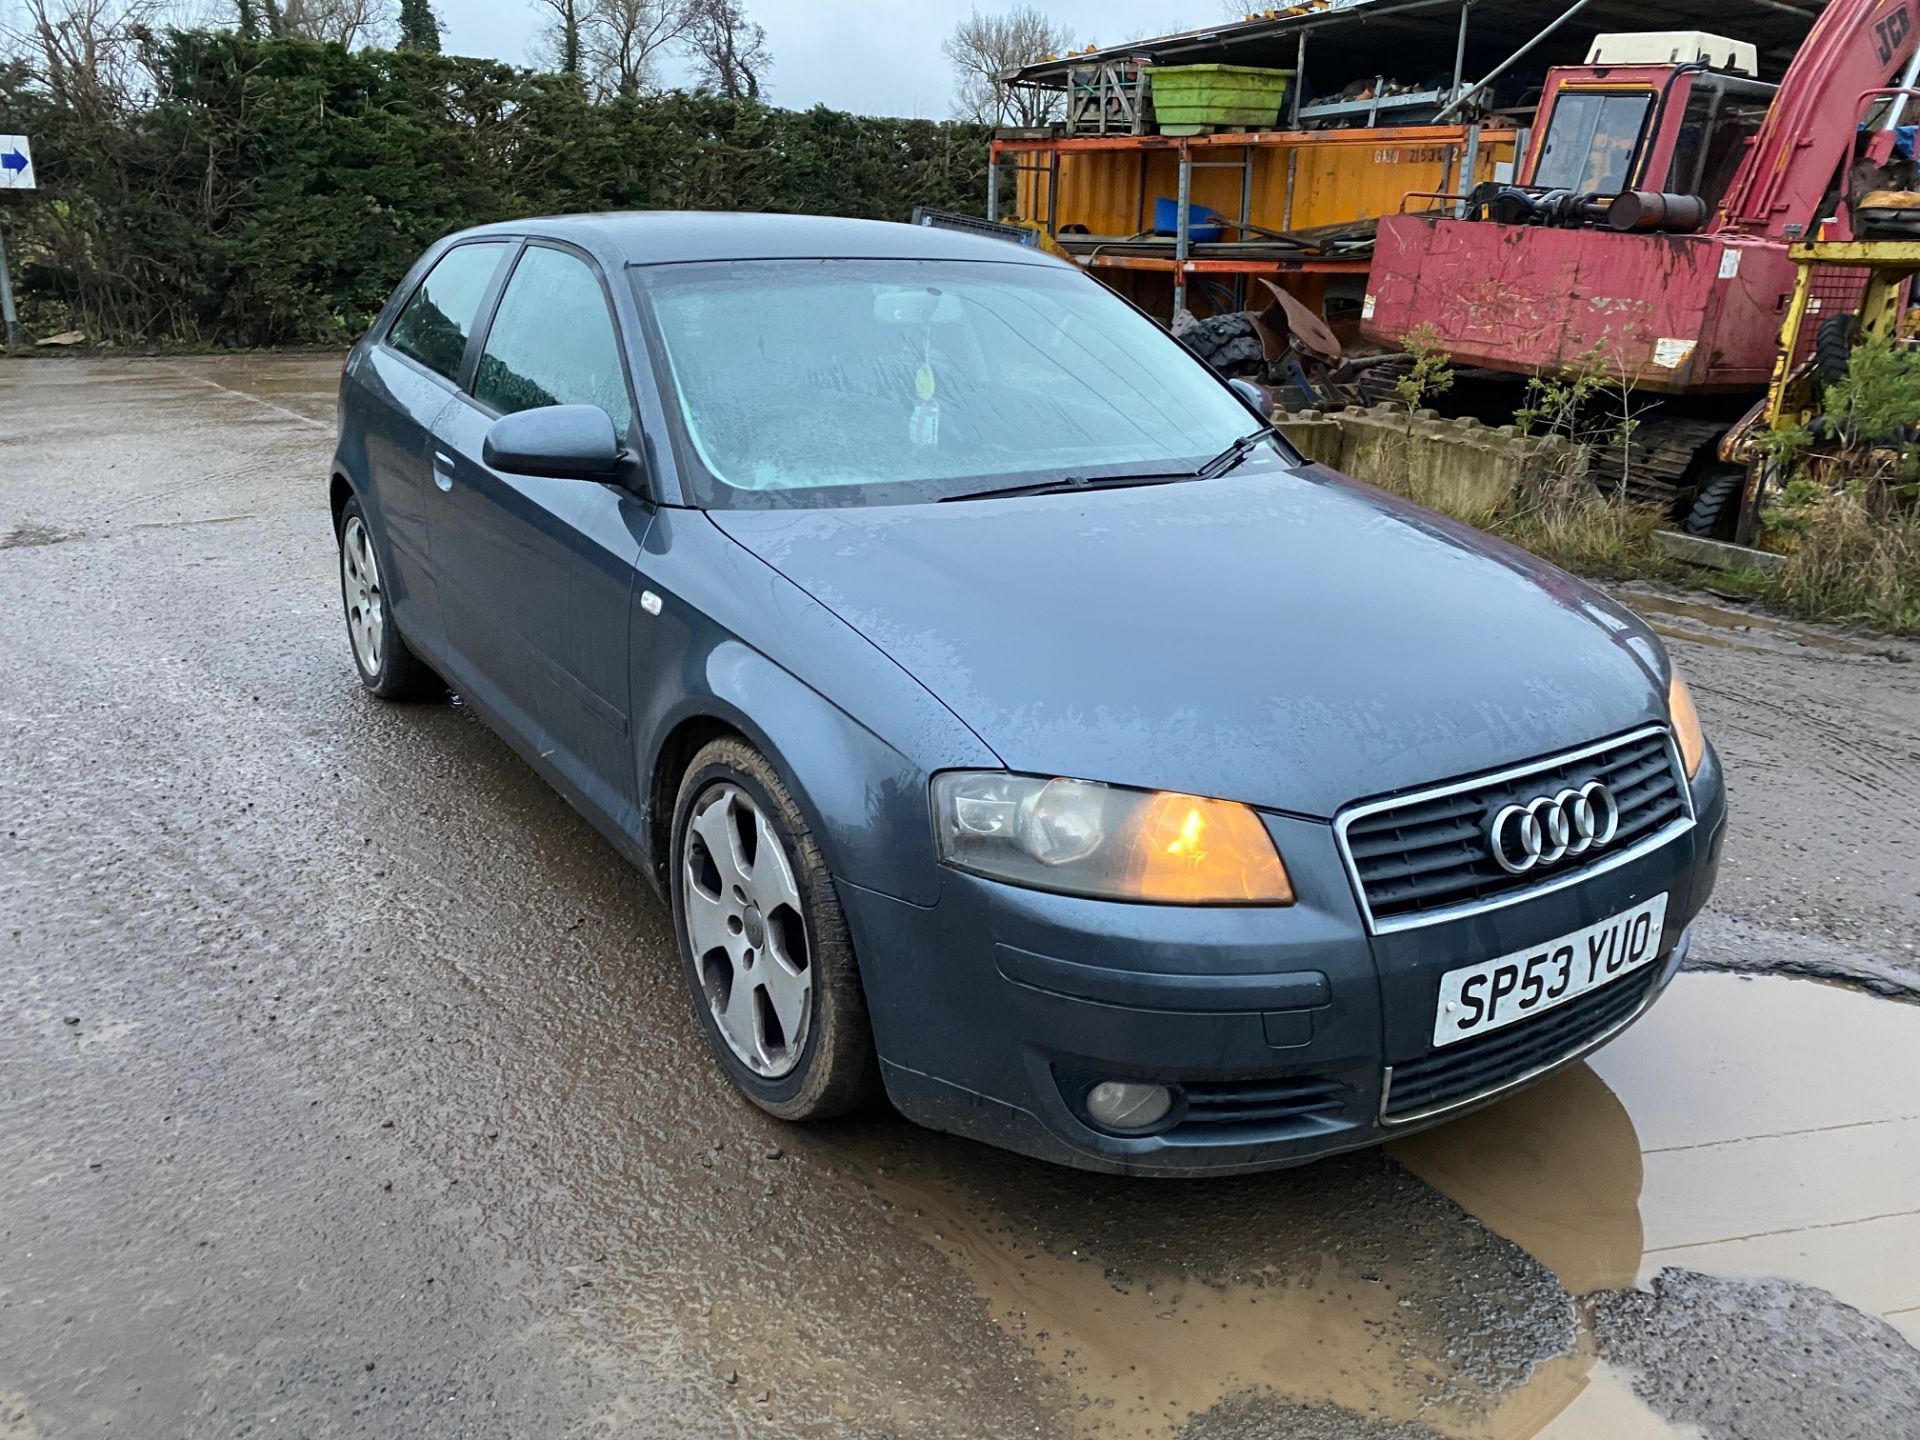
<point>1429,851</point>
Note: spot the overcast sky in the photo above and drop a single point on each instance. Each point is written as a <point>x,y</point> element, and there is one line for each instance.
<point>881,58</point>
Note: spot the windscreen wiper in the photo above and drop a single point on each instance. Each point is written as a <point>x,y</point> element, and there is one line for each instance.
<point>1234,453</point>
<point>1218,465</point>
<point>1069,484</point>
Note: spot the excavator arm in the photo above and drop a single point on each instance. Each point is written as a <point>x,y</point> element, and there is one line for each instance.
<point>1808,134</point>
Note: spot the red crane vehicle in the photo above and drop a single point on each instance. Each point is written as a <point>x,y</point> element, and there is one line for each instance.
<point>1647,232</point>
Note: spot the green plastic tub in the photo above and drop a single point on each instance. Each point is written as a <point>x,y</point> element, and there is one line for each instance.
<point>1192,99</point>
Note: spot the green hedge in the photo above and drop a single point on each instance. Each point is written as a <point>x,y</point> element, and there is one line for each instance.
<point>274,191</point>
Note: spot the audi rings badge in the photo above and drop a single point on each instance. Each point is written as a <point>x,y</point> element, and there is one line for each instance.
<point>1549,829</point>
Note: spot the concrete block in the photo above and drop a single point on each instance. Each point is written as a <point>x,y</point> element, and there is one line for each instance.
<point>1718,554</point>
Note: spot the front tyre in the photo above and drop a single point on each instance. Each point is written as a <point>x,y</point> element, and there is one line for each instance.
<point>763,941</point>
<point>385,664</point>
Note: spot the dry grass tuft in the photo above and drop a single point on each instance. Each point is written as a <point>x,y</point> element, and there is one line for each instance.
<point>1856,557</point>
<point>1563,519</point>
<point>1853,562</point>
<point>1568,521</point>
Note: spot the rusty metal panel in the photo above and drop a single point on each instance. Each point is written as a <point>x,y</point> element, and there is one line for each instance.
<point>1668,312</point>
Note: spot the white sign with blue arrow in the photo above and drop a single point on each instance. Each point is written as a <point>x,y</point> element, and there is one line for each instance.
<point>16,163</point>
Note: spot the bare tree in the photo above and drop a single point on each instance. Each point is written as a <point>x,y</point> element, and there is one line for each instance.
<point>88,53</point>
<point>729,52</point>
<point>347,22</point>
<point>558,46</point>
<point>620,38</point>
<point>983,48</point>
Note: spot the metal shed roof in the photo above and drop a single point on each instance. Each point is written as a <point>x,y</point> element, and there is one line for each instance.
<point>1412,38</point>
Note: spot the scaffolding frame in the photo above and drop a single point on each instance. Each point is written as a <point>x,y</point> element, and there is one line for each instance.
<point>1041,155</point>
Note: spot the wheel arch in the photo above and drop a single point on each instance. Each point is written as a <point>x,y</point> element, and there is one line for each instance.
<point>859,796</point>
<point>690,735</point>
<point>339,491</point>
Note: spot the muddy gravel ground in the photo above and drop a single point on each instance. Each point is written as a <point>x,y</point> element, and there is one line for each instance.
<point>348,1086</point>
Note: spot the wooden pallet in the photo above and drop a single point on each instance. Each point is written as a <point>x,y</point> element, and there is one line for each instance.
<point>1110,98</point>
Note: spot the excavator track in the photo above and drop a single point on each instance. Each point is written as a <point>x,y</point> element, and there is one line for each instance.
<point>1656,460</point>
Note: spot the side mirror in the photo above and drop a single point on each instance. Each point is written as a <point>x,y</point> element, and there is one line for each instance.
<point>561,442</point>
<point>1257,398</point>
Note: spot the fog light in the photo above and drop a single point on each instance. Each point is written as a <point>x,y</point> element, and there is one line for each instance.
<point>1128,1104</point>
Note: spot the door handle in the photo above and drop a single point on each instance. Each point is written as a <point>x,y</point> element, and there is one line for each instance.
<point>443,470</point>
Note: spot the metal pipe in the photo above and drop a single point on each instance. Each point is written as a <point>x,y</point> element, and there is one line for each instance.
<point>1657,210</point>
<point>1460,49</point>
<point>1180,229</point>
<point>1469,170</point>
<point>1246,213</point>
<point>1508,63</point>
<point>1907,78</point>
<point>1299,82</point>
<point>993,188</point>
<point>8,317</point>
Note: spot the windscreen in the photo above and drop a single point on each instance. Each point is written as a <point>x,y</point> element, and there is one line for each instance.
<point>1591,141</point>
<point>845,382</point>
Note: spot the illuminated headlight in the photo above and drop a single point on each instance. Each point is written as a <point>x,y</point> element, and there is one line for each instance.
<point>1105,841</point>
<point>1686,725</point>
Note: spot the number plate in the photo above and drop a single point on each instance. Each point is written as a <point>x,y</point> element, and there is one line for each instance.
<point>1490,994</point>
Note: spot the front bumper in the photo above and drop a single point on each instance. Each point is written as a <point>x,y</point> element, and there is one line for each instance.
<point>996,1008</point>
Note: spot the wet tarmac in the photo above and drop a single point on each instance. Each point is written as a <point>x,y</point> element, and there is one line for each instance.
<point>347,1085</point>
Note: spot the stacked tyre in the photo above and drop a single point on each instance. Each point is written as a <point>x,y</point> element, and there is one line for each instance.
<point>1228,343</point>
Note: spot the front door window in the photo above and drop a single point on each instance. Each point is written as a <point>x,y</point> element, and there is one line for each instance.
<point>552,342</point>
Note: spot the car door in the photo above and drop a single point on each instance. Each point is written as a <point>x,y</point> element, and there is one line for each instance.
<point>413,374</point>
<point>537,574</point>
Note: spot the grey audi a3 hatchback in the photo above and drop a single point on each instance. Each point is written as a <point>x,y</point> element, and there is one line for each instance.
<point>1014,723</point>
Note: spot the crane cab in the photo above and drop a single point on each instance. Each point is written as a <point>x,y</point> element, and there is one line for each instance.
<point>1662,111</point>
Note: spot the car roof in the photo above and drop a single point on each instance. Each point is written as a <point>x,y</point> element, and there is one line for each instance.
<point>665,237</point>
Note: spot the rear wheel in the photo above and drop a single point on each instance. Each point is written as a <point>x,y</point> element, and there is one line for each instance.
<point>763,940</point>
<point>387,666</point>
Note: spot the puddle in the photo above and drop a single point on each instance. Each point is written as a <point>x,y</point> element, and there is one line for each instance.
<point>1747,1127</point>
<point>1593,1402</point>
<point>1143,1356</point>
<point>1557,1170</point>
<point>1778,1133</point>
<point>1780,1126</point>
<point>1726,628</point>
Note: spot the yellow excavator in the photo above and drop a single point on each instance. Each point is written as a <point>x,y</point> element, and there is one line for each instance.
<point>1846,291</point>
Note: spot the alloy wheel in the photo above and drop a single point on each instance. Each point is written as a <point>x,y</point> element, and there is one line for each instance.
<point>745,926</point>
<point>366,601</point>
